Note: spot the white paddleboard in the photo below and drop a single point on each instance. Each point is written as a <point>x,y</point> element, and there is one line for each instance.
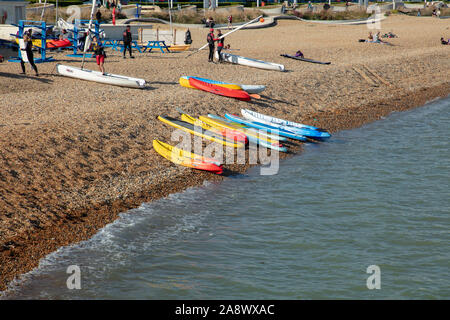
<point>228,57</point>
<point>23,51</point>
<point>108,78</point>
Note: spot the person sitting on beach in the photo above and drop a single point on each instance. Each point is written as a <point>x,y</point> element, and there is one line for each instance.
<point>211,23</point>
<point>299,54</point>
<point>100,54</point>
<point>445,42</point>
<point>376,38</point>
<point>64,35</point>
<point>370,38</point>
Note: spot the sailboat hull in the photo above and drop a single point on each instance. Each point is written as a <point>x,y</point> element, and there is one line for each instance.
<point>108,78</point>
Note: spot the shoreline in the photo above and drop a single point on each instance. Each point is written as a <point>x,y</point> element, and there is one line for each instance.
<point>73,154</point>
<point>88,221</point>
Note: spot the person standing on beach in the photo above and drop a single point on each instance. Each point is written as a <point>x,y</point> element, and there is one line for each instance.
<point>230,21</point>
<point>28,51</point>
<point>98,16</point>
<point>127,39</point>
<point>210,40</point>
<point>100,54</point>
<point>187,37</point>
<point>219,44</point>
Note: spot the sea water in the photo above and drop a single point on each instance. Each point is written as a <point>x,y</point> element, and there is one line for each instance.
<point>373,196</point>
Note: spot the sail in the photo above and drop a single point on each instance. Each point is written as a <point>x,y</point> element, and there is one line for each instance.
<point>87,43</point>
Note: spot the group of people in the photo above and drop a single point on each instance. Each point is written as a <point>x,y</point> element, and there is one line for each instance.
<point>210,23</point>
<point>374,38</point>
<point>211,39</point>
<point>99,49</point>
<point>436,13</point>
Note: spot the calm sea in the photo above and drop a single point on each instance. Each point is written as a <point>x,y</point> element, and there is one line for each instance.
<point>376,195</point>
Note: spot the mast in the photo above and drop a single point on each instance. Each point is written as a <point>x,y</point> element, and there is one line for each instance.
<point>88,39</point>
<point>171,30</point>
<point>226,34</point>
<point>43,9</point>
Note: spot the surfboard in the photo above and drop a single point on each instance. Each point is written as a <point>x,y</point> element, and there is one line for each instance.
<point>23,51</point>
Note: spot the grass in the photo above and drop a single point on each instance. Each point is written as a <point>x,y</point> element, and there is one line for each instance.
<point>196,17</point>
<point>330,15</point>
<point>49,15</point>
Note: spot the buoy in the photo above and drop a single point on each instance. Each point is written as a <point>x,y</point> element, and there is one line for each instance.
<point>261,20</point>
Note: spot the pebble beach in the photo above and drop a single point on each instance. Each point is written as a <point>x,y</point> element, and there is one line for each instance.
<point>74,154</point>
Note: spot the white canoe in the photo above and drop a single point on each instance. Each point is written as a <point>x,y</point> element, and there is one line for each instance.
<point>108,78</point>
<point>228,57</point>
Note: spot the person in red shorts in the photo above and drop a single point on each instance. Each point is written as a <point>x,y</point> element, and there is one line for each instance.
<point>100,54</point>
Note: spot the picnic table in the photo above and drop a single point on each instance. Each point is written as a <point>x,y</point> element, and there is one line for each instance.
<point>118,45</point>
<point>161,45</point>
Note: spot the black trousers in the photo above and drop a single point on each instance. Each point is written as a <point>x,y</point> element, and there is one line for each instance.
<point>211,53</point>
<point>29,53</point>
<point>125,46</point>
<point>219,51</point>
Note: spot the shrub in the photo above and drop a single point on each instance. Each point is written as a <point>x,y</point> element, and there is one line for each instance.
<point>330,15</point>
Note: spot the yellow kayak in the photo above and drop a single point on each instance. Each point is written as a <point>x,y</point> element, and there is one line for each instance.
<point>208,135</point>
<point>36,42</point>
<point>217,123</point>
<point>186,158</point>
<point>184,82</point>
<point>229,134</point>
<point>179,47</point>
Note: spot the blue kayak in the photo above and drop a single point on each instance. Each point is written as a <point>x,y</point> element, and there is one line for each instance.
<point>253,138</point>
<point>266,127</point>
<point>265,134</point>
<point>304,130</point>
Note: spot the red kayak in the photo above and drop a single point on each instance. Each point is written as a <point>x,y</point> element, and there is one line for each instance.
<point>209,87</point>
<point>58,43</point>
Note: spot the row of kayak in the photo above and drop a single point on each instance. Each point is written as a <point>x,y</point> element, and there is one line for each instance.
<point>236,132</point>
